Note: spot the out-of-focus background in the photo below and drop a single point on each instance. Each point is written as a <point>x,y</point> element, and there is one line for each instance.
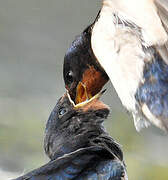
<point>34,36</point>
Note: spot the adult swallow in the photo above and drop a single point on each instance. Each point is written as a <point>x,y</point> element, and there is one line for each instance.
<point>78,145</point>
<point>129,41</point>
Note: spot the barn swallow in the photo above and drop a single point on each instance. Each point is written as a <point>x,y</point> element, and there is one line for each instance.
<point>78,145</point>
<point>128,41</point>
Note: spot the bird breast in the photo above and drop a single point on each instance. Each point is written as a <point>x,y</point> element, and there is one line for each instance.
<point>119,51</point>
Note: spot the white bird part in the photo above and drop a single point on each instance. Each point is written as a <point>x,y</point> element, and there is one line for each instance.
<point>144,14</point>
<point>119,51</point>
<point>119,48</point>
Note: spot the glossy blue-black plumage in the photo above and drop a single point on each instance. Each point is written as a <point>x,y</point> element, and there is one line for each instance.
<point>78,145</point>
<point>94,163</point>
<point>154,91</point>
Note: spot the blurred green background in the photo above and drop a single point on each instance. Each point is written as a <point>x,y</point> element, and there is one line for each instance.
<point>34,36</point>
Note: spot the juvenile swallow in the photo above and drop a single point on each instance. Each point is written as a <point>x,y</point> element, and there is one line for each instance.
<point>78,145</point>
<point>128,40</point>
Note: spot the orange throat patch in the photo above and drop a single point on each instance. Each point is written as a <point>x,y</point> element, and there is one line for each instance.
<point>92,83</point>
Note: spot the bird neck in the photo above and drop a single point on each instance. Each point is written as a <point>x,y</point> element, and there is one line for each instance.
<point>71,139</point>
<point>97,138</point>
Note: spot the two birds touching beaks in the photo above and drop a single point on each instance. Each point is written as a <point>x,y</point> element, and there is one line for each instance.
<point>127,43</point>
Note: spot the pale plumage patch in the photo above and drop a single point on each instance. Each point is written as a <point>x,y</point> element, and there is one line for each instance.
<point>120,40</point>
<point>119,51</point>
<point>144,14</point>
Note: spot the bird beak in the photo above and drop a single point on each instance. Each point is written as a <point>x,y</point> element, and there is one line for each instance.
<point>83,96</point>
<point>81,93</point>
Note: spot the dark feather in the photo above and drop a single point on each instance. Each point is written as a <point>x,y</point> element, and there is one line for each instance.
<point>154,91</point>
<point>78,146</point>
<point>88,163</point>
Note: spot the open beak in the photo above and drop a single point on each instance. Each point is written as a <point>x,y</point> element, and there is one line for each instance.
<point>82,97</point>
<point>82,93</point>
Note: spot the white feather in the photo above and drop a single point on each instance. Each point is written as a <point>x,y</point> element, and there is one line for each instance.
<point>120,53</point>
<point>144,14</point>
<point>118,48</point>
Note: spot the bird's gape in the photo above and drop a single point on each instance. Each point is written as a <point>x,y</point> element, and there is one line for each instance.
<point>91,84</point>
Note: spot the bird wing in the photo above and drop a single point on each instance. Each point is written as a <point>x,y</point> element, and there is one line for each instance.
<point>162,6</point>
<point>65,167</point>
<point>82,164</point>
<point>152,94</point>
<point>106,170</point>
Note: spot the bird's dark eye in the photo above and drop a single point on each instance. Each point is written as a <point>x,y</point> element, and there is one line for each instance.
<point>69,76</point>
<point>62,111</point>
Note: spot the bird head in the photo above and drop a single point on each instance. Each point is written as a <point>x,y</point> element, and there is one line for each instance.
<point>71,126</point>
<point>81,70</point>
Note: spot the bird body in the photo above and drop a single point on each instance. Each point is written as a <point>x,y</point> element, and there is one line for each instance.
<point>125,38</point>
<point>78,145</point>
<point>118,49</point>
<point>120,52</point>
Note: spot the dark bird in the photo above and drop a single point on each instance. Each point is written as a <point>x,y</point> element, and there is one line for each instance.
<point>78,145</point>
<point>129,41</point>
